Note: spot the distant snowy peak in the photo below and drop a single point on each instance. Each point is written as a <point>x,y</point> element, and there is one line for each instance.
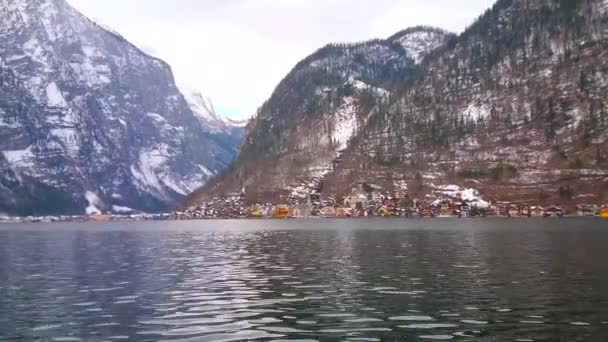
<point>420,41</point>
<point>201,106</point>
<point>203,109</point>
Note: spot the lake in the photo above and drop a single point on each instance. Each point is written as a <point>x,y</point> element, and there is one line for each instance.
<point>327,280</point>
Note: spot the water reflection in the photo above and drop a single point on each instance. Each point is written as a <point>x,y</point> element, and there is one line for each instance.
<point>312,280</point>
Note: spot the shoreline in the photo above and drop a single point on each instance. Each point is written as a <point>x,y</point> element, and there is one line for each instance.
<point>83,219</point>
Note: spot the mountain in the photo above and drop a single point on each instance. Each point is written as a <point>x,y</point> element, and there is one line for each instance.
<point>203,109</point>
<point>514,107</point>
<point>225,132</point>
<point>88,122</point>
<point>315,111</point>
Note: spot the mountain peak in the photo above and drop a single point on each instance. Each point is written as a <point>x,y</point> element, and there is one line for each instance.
<point>419,41</point>
<point>203,109</point>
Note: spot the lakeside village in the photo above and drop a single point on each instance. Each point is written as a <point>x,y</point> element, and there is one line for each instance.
<point>445,201</point>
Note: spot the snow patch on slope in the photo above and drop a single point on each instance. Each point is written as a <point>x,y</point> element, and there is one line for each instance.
<point>152,173</point>
<point>419,44</point>
<point>122,210</point>
<point>20,158</point>
<point>451,191</point>
<point>346,123</point>
<point>475,111</point>
<point>94,203</point>
<point>145,170</point>
<point>200,105</point>
<point>204,111</point>
<point>54,96</point>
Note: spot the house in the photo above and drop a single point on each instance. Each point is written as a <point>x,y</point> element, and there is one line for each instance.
<point>503,209</point>
<point>586,210</point>
<point>427,212</point>
<point>328,212</point>
<point>358,213</point>
<point>444,209</point>
<point>554,211</point>
<point>513,211</point>
<point>256,213</point>
<point>492,211</point>
<point>537,211</point>
<point>465,210</point>
<point>604,211</point>
<point>383,212</point>
<point>343,212</point>
<point>357,200</point>
<point>99,217</point>
<point>281,212</point>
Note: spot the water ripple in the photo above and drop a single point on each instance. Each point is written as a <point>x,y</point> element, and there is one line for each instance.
<point>304,285</point>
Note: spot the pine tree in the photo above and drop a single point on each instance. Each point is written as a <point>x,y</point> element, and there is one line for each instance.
<point>551,124</point>
<point>599,156</point>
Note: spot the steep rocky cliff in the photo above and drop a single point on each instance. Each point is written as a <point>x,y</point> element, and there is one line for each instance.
<point>88,122</point>
<point>515,106</point>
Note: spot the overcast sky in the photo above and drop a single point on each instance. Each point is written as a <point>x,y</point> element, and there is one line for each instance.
<point>236,51</point>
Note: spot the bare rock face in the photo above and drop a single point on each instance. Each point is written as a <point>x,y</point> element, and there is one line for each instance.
<point>88,122</point>
<point>515,107</point>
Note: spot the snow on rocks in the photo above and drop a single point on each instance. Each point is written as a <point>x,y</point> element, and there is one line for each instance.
<point>476,111</point>
<point>346,123</point>
<point>94,203</point>
<point>144,171</point>
<point>54,96</point>
<point>122,210</point>
<point>401,185</point>
<point>346,116</point>
<point>456,192</point>
<point>309,185</point>
<point>203,109</point>
<point>419,44</point>
<point>20,158</point>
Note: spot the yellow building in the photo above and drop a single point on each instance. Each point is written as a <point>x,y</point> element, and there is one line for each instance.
<point>383,212</point>
<point>281,212</point>
<point>256,213</point>
<point>604,211</point>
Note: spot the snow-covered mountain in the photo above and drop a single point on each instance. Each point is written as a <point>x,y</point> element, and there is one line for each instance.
<point>88,122</point>
<point>203,109</point>
<point>419,41</point>
<point>515,107</point>
<point>318,108</point>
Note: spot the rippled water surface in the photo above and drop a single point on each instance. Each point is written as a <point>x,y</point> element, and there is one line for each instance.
<point>324,280</point>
